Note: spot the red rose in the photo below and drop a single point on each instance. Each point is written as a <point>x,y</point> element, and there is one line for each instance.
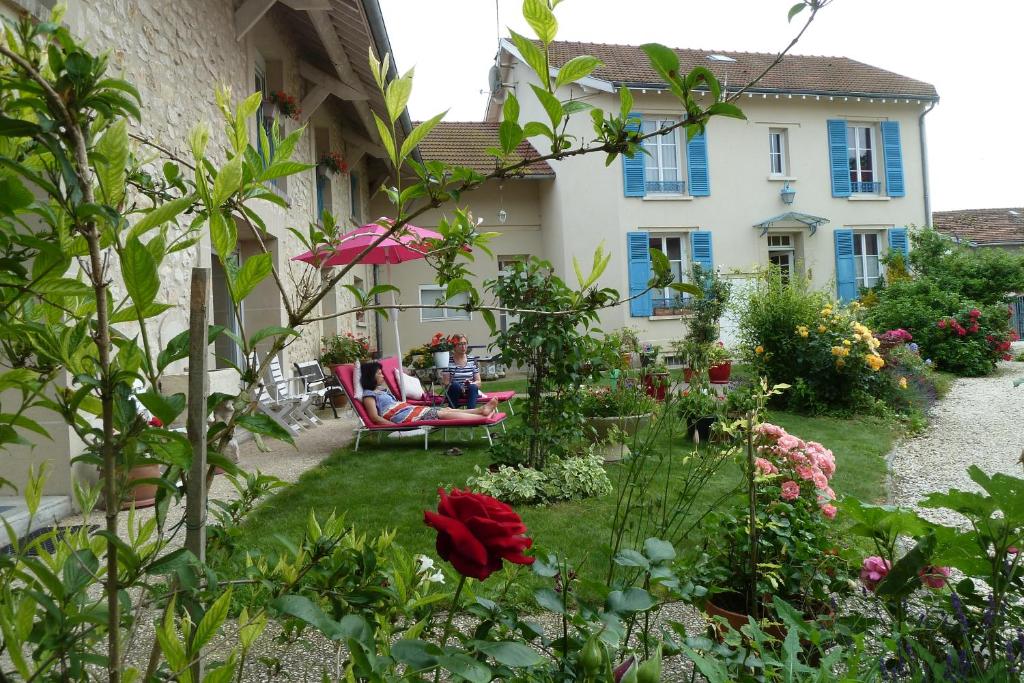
<point>475,532</point>
<point>155,422</point>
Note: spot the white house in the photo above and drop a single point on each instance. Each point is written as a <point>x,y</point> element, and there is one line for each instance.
<point>822,177</point>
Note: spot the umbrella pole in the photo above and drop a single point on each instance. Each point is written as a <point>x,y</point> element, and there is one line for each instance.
<point>398,339</point>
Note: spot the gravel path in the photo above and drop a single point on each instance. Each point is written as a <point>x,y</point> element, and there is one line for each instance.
<point>980,422</point>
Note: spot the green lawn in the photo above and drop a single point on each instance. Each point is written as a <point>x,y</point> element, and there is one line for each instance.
<point>389,485</point>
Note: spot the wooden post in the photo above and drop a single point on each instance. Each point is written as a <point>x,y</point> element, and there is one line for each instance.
<point>198,390</point>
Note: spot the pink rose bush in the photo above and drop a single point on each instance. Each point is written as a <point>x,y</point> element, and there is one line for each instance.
<point>806,467</point>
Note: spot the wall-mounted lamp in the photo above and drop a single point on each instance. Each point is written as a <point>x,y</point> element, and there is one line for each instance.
<point>787,193</point>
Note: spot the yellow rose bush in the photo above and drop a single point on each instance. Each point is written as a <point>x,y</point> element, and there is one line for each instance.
<point>798,336</point>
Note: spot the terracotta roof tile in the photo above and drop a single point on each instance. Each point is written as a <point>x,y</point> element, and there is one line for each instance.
<point>627,64</point>
<point>982,226</point>
<point>464,143</point>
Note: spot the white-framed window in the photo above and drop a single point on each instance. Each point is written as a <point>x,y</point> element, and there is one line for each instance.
<point>861,152</point>
<point>778,164</point>
<point>673,246</point>
<point>663,172</point>
<point>865,257</point>
<point>782,253</point>
<point>433,295</point>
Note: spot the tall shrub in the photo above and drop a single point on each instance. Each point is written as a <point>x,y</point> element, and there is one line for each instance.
<point>984,275</point>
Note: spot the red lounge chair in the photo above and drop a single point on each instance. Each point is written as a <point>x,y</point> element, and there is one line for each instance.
<point>389,366</point>
<point>345,376</point>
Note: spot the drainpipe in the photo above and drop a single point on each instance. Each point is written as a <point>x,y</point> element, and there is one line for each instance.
<point>924,164</point>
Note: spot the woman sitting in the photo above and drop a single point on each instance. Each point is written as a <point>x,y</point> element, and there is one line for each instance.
<point>385,409</point>
<point>462,376</point>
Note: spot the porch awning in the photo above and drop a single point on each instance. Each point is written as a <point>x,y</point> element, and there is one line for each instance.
<point>807,219</point>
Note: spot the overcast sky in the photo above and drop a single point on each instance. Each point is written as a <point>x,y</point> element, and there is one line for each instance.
<point>973,56</point>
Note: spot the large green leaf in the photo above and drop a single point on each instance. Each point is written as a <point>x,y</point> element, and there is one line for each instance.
<point>902,579</point>
<point>227,181</point>
<point>131,313</point>
<point>386,139</point>
<point>551,105</point>
<point>510,653</point>
<point>541,19</point>
<point>17,128</point>
<point>170,448</point>
<point>396,95</point>
<point>253,271</point>
<point>139,272</point>
<point>212,620</point>
<point>510,134</point>
<point>177,347</point>
<point>418,133</point>
<point>463,665</point>
<point>13,194</point>
<point>575,69</point>
<point>112,150</point>
<point>282,168</point>
<point>262,424</point>
<point>167,408</point>
<point>272,331</point>
<point>630,600</point>
<point>301,607</point>
<point>223,234</point>
<point>658,550</point>
<point>533,56</point>
<point>159,215</point>
<point>418,655</point>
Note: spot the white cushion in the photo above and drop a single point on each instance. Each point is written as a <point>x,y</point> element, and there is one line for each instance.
<point>356,383</point>
<point>413,387</point>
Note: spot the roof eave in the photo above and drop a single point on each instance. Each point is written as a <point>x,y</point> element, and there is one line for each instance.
<point>640,85</point>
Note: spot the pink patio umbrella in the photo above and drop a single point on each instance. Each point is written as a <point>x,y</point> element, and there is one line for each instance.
<point>406,245</point>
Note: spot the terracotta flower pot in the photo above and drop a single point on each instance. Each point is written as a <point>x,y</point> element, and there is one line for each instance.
<point>143,495</point>
<point>737,620</point>
<point>687,374</point>
<point>720,373</point>
<point>656,385</point>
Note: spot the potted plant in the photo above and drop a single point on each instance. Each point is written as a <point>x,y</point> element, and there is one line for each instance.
<point>287,104</point>
<point>779,540</point>
<point>701,408</point>
<point>621,410</point>
<point>719,363</point>
<point>657,380</point>
<point>441,346</point>
<point>341,349</point>
<point>334,163</point>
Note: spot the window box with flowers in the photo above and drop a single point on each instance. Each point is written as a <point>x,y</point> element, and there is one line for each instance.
<point>287,104</point>
<point>334,163</point>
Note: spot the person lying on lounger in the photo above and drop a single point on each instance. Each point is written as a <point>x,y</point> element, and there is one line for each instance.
<point>385,409</point>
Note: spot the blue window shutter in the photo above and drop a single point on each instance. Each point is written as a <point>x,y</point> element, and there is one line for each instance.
<point>898,241</point>
<point>697,166</point>
<point>700,250</point>
<point>321,191</point>
<point>846,270</point>
<point>893,153</point>
<point>837,156</point>
<point>638,252</point>
<point>634,182</point>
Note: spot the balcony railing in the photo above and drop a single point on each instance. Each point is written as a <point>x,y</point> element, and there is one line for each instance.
<point>665,186</point>
<point>866,187</point>
<point>676,305</point>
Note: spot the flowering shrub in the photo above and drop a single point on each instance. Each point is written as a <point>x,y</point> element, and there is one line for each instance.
<point>959,335</point>
<point>339,349</point>
<point>287,104</point>
<point>828,357</point>
<point>797,539</point>
<point>334,162</point>
<point>622,400</point>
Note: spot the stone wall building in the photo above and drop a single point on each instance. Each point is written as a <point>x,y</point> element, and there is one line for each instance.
<point>177,54</point>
